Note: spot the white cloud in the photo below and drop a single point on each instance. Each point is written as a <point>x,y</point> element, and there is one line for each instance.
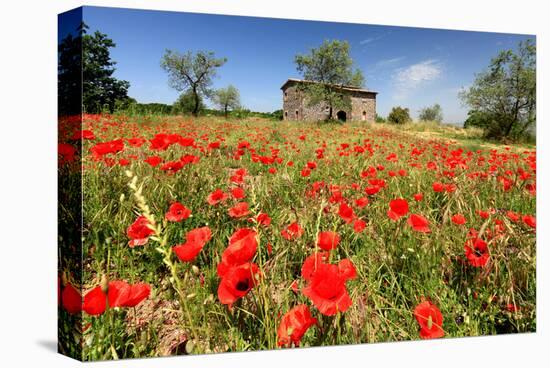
<point>407,79</point>
<point>388,62</point>
<point>369,40</point>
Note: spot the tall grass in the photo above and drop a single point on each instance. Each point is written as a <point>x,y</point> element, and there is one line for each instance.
<point>397,267</point>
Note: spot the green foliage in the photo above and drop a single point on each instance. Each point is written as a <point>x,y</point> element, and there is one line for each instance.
<point>399,115</point>
<point>185,103</point>
<point>330,67</point>
<point>503,97</point>
<point>478,119</point>
<point>380,119</point>
<point>85,62</point>
<point>277,114</point>
<point>192,72</point>
<point>69,78</point>
<point>227,99</point>
<point>431,113</point>
<point>100,89</point>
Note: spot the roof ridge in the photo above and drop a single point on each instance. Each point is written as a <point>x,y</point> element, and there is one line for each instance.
<point>358,89</point>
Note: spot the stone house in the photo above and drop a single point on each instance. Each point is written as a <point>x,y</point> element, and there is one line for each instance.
<point>295,106</point>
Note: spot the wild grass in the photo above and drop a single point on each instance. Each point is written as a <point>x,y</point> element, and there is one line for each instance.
<point>396,267</point>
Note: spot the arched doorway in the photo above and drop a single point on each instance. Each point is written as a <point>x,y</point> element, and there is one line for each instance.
<point>341,115</point>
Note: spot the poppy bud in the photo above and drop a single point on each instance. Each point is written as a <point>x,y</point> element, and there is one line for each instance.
<point>189,347</point>
<point>104,283</point>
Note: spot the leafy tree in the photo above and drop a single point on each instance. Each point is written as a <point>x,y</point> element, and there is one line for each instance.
<point>399,115</point>
<point>85,70</point>
<point>192,72</point>
<point>277,114</point>
<point>186,103</point>
<point>380,119</point>
<point>505,94</point>
<point>227,99</point>
<point>69,78</point>
<point>478,119</point>
<point>431,113</point>
<point>100,89</point>
<point>331,67</point>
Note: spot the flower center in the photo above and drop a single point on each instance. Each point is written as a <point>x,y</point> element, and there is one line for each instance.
<point>243,285</point>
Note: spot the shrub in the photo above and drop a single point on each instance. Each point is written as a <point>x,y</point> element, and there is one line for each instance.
<point>431,113</point>
<point>399,115</point>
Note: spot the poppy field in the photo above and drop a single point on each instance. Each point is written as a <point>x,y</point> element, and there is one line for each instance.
<point>206,235</point>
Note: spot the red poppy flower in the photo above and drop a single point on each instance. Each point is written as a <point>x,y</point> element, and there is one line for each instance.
<point>458,219</point>
<point>242,247</point>
<point>438,187</point>
<point>305,172</point>
<point>272,170</point>
<point>95,301</point>
<point>483,214</point>
<point>418,197</point>
<point>328,240</point>
<point>239,210</point>
<point>67,152</point>
<point>347,269</point>
<point>237,282</point>
<point>419,223</point>
<point>398,208</point>
<point>346,213</point>
<point>430,319</point>
<point>238,193</point>
<point>138,293</point>
<point>294,325</point>
<point>104,148</point>
<point>84,134</point>
<point>292,231</point>
<point>514,217</point>
<point>172,167</point>
<point>327,289</point>
<point>153,160</point>
<point>118,293</point>
<point>71,299</point>
<point>177,212</point>
<point>311,262</point>
<point>263,219</point>
<point>529,221</point>
<point>136,142</point>
<point>361,202</point>
<point>216,197</point>
<point>195,241</point>
<point>476,252</point>
<point>359,226</point>
<point>139,232</point>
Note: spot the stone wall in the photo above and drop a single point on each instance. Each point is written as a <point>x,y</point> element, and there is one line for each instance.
<point>295,106</point>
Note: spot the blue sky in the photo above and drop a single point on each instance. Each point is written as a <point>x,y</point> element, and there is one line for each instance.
<point>411,67</point>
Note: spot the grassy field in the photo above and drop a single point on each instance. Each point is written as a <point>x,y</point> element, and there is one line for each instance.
<point>311,234</point>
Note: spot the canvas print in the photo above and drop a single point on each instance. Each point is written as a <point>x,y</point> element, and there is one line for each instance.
<point>233,183</point>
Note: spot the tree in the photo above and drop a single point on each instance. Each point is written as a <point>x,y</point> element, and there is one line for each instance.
<point>192,72</point>
<point>399,115</point>
<point>227,99</point>
<point>186,103</point>
<point>431,113</point>
<point>277,114</point>
<point>88,54</point>
<point>505,94</point>
<point>330,67</point>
